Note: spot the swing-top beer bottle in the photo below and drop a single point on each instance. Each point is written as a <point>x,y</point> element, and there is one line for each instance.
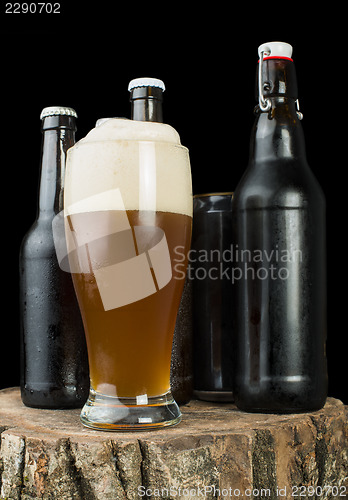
<point>279,255</point>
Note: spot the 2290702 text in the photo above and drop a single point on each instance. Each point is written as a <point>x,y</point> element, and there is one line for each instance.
<point>32,8</point>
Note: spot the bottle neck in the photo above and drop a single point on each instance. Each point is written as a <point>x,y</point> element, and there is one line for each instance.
<point>146,104</point>
<point>58,137</point>
<point>277,133</point>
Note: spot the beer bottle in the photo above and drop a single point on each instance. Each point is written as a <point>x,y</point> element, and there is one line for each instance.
<point>279,268</point>
<point>54,365</point>
<point>146,97</point>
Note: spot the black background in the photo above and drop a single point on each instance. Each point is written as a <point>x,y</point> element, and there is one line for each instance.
<point>85,56</point>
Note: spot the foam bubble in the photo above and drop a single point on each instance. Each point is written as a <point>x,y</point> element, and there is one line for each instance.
<point>145,161</point>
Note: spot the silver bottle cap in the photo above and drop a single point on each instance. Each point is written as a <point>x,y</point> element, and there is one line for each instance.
<point>57,110</point>
<point>146,82</point>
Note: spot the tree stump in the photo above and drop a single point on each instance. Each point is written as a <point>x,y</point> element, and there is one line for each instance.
<point>216,451</point>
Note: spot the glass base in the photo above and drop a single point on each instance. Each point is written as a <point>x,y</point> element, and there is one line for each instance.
<point>215,396</point>
<point>110,413</point>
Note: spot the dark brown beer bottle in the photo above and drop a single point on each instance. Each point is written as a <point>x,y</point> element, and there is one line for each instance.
<point>146,96</point>
<point>54,365</point>
<point>279,268</point>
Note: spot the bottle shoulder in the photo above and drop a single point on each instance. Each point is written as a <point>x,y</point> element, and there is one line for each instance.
<point>289,183</point>
<point>38,241</point>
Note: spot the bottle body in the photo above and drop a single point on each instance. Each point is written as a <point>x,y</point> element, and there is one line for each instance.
<point>280,308</point>
<point>54,365</point>
<point>280,271</point>
<point>181,369</point>
<point>54,371</point>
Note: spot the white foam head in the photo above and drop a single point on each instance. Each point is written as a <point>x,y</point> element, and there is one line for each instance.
<point>144,161</point>
<point>118,129</point>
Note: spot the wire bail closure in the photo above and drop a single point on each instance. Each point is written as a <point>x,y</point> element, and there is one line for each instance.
<point>265,104</point>
<point>298,112</point>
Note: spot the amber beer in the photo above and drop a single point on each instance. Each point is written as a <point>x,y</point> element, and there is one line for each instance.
<point>130,347</point>
<point>128,206</point>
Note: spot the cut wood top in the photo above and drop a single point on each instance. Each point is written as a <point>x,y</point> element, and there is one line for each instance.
<point>198,417</point>
<point>215,449</point>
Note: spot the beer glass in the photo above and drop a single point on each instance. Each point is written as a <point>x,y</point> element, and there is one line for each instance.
<point>128,214</point>
<point>212,296</point>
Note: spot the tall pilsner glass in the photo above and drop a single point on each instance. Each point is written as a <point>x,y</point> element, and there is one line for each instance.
<point>128,219</point>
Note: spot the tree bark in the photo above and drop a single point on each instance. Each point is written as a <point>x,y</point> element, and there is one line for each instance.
<point>216,451</point>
